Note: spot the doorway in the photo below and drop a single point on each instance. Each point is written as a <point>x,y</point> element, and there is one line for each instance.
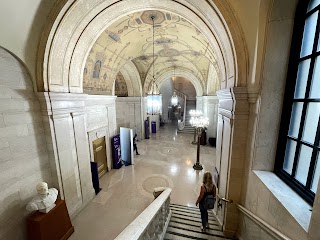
<point>100,155</point>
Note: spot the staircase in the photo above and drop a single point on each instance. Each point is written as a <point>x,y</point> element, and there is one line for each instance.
<point>188,128</point>
<point>185,224</point>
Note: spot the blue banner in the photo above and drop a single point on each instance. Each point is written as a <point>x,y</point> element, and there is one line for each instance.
<point>116,152</point>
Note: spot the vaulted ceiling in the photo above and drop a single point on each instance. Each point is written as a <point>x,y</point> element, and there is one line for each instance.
<point>178,44</point>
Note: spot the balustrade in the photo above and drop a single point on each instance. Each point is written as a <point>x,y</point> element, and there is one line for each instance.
<point>152,223</point>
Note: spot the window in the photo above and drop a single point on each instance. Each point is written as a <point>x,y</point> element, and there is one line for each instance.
<point>298,155</point>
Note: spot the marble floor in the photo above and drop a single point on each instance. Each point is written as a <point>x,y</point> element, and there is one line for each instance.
<point>166,160</point>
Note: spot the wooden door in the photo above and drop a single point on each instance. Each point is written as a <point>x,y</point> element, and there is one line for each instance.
<point>100,155</point>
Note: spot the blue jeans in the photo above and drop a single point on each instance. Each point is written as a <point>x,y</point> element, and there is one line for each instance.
<point>204,215</point>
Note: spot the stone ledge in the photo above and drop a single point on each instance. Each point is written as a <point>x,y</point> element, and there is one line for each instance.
<point>298,208</point>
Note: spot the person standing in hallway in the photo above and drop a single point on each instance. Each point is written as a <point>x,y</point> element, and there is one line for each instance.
<point>207,188</point>
<point>135,148</point>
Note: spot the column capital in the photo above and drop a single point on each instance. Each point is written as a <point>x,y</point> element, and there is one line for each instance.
<point>233,101</point>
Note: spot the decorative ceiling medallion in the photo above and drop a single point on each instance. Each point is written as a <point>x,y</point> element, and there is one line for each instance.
<point>146,17</point>
<point>170,52</point>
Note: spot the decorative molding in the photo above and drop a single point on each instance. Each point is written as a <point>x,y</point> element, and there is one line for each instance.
<point>234,101</point>
<point>253,97</point>
<point>128,99</point>
<point>276,234</point>
<point>61,116</point>
<point>61,103</point>
<point>211,99</point>
<point>75,114</point>
<point>92,100</point>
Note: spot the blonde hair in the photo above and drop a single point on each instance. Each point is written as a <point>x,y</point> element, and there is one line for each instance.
<point>207,181</point>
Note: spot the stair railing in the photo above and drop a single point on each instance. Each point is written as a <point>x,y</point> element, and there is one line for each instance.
<point>153,222</point>
<point>273,232</point>
<point>181,124</point>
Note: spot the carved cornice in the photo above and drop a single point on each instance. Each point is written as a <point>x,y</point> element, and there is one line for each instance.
<point>129,99</point>
<point>64,103</point>
<point>92,100</point>
<point>233,101</point>
<point>61,103</point>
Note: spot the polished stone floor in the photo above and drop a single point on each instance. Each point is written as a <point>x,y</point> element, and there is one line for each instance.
<point>166,160</point>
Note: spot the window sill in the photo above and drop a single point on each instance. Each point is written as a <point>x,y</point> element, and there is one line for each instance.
<point>291,201</point>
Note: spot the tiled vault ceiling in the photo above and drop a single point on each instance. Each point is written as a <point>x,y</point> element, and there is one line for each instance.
<point>178,44</point>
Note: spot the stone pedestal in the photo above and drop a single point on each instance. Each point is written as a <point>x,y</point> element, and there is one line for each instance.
<point>54,225</point>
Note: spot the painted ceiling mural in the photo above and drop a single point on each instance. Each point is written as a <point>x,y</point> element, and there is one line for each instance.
<point>120,86</point>
<point>178,44</point>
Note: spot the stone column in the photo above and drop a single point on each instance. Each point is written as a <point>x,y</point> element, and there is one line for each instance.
<point>231,152</point>
<point>199,104</point>
<point>210,110</point>
<point>83,155</point>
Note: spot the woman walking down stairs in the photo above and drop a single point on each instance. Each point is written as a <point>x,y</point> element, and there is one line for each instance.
<point>185,224</point>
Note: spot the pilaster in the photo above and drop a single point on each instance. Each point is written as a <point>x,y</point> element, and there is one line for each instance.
<point>65,116</point>
<point>231,151</point>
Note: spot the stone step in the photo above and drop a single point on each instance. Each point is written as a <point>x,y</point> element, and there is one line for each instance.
<point>187,233</point>
<point>193,223</point>
<point>192,213</point>
<point>197,229</point>
<point>194,219</point>
<point>185,224</point>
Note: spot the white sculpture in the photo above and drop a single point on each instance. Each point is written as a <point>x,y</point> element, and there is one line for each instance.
<point>45,200</point>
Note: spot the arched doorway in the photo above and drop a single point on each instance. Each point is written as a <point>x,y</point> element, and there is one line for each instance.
<point>67,46</point>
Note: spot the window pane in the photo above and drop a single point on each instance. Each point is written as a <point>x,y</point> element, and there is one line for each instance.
<point>302,79</point>
<point>295,119</point>
<point>311,122</point>
<point>303,164</point>
<point>315,85</point>
<point>289,157</point>
<point>313,4</point>
<point>316,175</point>
<point>308,34</point>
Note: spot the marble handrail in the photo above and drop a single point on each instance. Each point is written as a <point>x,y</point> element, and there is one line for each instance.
<point>273,232</point>
<point>152,223</point>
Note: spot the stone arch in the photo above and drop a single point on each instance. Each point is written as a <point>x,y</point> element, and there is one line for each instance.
<point>76,25</point>
<point>132,78</point>
<point>181,73</point>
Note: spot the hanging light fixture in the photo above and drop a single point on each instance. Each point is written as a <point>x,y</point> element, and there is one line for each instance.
<point>174,74</point>
<point>174,99</point>
<point>154,98</point>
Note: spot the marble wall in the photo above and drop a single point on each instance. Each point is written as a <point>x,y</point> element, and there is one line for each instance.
<point>264,122</point>
<point>24,159</point>
<point>129,114</point>
<point>101,122</point>
<point>252,231</point>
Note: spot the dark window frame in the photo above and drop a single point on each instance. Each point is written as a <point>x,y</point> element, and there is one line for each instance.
<point>294,60</point>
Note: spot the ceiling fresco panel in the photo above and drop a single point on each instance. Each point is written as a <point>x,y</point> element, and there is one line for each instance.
<point>178,44</point>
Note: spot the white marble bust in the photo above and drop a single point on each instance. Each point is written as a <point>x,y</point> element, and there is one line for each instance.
<point>45,200</point>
